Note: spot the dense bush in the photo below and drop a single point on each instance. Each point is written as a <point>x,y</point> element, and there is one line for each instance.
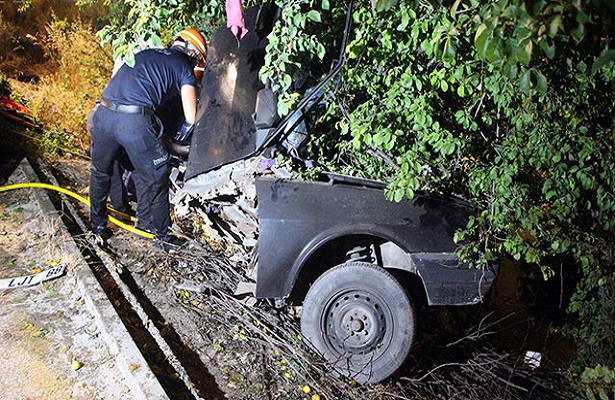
<point>52,54</point>
<point>511,105</point>
<point>82,68</point>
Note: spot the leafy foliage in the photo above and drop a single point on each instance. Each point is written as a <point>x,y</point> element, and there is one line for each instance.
<point>295,42</point>
<point>599,382</point>
<point>135,24</point>
<point>132,25</point>
<point>509,104</point>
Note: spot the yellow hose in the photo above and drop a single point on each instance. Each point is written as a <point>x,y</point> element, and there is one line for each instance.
<point>78,197</point>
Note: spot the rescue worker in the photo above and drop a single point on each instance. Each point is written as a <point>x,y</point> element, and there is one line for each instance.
<point>126,118</point>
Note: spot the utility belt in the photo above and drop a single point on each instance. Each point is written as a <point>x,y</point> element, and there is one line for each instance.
<point>126,109</point>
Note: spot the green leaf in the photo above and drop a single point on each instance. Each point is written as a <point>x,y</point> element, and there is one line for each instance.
<point>356,48</point>
<point>480,40</point>
<point>447,148</point>
<point>385,5</point>
<point>398,195</point>
<point>156,41</point>
<point>287,80</point>
<point>525,82</point>
<point>299,20</point>
<point>320,51</point>
<point>325,5</point>
<point>493,51</point>
<point>405,21</point>
<point>454,8</point>
<point>541,83</point>
<point>510,70</point>
<point>282,108</point>
<point>578,33</point>
<point>550,195</point>
<point>450,50</point>
<point>524,52</point>
<point>548,48</point>
<point>606,57</point>
<point>554,25</point>
<point>314,15</point>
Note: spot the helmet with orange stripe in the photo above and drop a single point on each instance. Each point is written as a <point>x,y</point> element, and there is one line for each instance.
<point>192,43</point>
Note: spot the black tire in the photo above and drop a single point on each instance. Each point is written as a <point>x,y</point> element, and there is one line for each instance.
<point>360,320</point>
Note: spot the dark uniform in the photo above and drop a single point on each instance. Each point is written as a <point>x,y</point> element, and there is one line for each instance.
<point>126,119</point>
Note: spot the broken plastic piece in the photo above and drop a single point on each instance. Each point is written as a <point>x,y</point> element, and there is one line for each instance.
<point>267,163</point>
<point>532,359</point>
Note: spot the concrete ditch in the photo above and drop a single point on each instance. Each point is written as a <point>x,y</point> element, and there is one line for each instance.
<point>65,336</point>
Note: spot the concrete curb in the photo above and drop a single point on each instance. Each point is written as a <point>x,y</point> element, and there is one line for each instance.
<point>140,379</point>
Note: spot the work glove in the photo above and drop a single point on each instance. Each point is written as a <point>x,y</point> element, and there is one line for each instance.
<point>183,136</point>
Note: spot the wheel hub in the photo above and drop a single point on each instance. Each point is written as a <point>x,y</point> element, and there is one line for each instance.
<point>355,323</point>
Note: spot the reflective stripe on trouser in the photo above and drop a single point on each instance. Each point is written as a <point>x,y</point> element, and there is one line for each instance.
<point>140,136</point>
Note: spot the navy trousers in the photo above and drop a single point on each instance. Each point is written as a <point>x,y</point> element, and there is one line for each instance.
<point>140,137</point>
<point>126,187</point>
<point>118,192</point>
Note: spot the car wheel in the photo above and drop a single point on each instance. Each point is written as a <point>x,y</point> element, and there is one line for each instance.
<point>360,320</point>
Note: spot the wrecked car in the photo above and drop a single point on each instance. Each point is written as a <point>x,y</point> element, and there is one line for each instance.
<point>353,260</point>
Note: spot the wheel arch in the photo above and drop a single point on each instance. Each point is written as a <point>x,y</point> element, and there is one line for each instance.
<point>330,250</point>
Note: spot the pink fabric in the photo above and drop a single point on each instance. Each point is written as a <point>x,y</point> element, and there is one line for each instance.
<point>234,18</point>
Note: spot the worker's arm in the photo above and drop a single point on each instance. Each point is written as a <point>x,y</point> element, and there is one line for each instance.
<point>189,103</point>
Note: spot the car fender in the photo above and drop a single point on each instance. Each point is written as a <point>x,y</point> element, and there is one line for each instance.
<point>296,218</point>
